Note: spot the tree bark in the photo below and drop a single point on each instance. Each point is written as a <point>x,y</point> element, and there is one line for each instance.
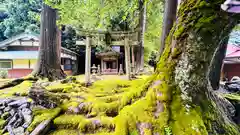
<point>180,99</point>
<point>142,27</point>
<point>170,10</point>
<point>49,60</point>
<point>184,69</point>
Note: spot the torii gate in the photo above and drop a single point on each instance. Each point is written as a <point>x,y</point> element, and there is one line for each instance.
<point>128,39</point>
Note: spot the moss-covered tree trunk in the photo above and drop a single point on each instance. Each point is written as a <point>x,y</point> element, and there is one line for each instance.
<point>49,61</point>
<point>180,98</point>
<point>184,70</point>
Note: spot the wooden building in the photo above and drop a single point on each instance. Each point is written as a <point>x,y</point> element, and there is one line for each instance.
<point>231,66</point>
<point>19,54</point>
<point>109,62</point>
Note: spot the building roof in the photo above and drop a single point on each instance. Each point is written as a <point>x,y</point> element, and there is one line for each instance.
<point>6,42</point>
<point>232,51</point>
<point>18,55</point>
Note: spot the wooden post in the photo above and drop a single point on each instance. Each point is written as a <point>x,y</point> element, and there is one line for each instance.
<point>133,60</point>
<point>127,57</point>
<point>102,66</point>
<point>88,61</point>
<point>222,76</point>
<point>117,65</point>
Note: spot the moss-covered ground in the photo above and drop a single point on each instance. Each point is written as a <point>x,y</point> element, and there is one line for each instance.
<point>115,106</point>
<point>102,108</point>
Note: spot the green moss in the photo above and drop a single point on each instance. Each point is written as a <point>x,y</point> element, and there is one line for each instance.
<point>234,97</point>
<point>102,133</point>
<point>212,119</point>
<point>179,32</point>
<point>81,123</point>
<point>65,132</point>
<point>176,52</point>
<point>68,121</point>
<point>114,95</point>
<point>22,89</point>
<point>41,115</point>
<point>139,111</point>
<point>64,88</point>
<point>5,115</point>
<point>186,119</point>
<point>2,123</point>
<point>66,104</point>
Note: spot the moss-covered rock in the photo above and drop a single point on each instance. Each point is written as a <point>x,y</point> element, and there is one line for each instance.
<point>42,114</point>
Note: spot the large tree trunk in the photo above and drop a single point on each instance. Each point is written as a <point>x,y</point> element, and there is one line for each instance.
<point>49,60</point>
<point>170,11</point>
<point>201,27</point>
<point>142,27</point>
<point>180,99</point>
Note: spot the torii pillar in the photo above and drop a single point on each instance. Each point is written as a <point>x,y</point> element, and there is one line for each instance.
<point>127,57</point>
<point>88,61</point>
<point>133,60</point>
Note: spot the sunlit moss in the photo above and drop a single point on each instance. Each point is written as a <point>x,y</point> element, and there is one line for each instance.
<point>42,114</point>
<point>65,132</point>
<point>83,124</point>
<point>186,119</point>
<point>235,97</point>
<point>22,90</point>
<point>2,123</point>
<point>68,121</point>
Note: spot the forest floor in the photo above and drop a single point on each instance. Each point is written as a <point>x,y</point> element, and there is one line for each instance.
<point>80,110</point>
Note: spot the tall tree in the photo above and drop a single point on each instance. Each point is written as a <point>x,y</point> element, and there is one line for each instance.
<point>182,74</point>
<point>142,27</point>
<point>169,18</point>
<point>49,61</point>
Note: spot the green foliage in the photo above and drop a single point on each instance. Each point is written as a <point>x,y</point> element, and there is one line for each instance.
<point>94,15</point>
<point>118,15</point>
<point>22,16</point>
<point>168,131</point>
<point>154,26</point>
<point>3,74</point>
<point>152,60</point>
<point>69,37</point>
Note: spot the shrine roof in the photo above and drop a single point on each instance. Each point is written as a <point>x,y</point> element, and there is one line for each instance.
<point>233,51</point>
<point>108,54</point>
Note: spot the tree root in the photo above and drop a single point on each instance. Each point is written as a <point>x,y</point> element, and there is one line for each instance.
<point>15,82</point>
<point>84,125</point>
<point>47,72</point>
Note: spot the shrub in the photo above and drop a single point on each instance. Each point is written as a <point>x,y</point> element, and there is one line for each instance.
<point>3,74</point>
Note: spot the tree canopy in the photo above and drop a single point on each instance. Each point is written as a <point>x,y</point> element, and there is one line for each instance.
<point>17,16</point>
<point>112,15</point>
